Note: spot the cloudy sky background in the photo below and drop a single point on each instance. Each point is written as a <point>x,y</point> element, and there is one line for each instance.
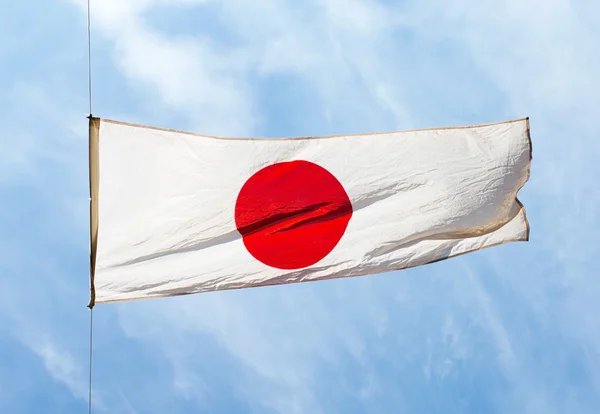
<point>512,329</point>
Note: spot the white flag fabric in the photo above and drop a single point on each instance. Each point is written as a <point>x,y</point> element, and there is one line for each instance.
<point>176,213</point>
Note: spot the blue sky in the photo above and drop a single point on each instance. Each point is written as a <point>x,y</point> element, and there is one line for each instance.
<point>512,329</point>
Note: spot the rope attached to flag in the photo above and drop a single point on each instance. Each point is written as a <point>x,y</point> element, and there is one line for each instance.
<point>91,343</point>
<point>89,35</point>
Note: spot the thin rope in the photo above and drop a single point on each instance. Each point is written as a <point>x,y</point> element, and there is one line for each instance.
<point>91,344</point>
<point>89,38</point>
<point>89,35</point>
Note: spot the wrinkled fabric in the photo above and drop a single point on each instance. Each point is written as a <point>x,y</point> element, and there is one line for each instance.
<point>166,205</point>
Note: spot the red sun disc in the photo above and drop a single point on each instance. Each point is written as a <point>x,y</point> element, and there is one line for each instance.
<point>292,214</point>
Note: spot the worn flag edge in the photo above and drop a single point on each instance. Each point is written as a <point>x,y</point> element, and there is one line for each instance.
<point>299,138</point>
<point>94,177</point>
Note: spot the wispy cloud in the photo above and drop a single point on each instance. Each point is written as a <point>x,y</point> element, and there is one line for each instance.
<point>61,366</point>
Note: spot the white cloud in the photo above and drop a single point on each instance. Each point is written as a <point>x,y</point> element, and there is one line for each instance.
<point>329,46</point>
<point>191,75</point>
<point>61,366</point>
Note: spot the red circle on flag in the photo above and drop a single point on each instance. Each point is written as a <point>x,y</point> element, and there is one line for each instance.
<point>292,214</point>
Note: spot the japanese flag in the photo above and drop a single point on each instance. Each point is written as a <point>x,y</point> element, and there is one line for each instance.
<point>176,213</point>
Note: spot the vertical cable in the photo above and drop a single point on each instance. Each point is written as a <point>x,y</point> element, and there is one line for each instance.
<point>91,343</point>
<point>89,35</point>
<point>89,38</point>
